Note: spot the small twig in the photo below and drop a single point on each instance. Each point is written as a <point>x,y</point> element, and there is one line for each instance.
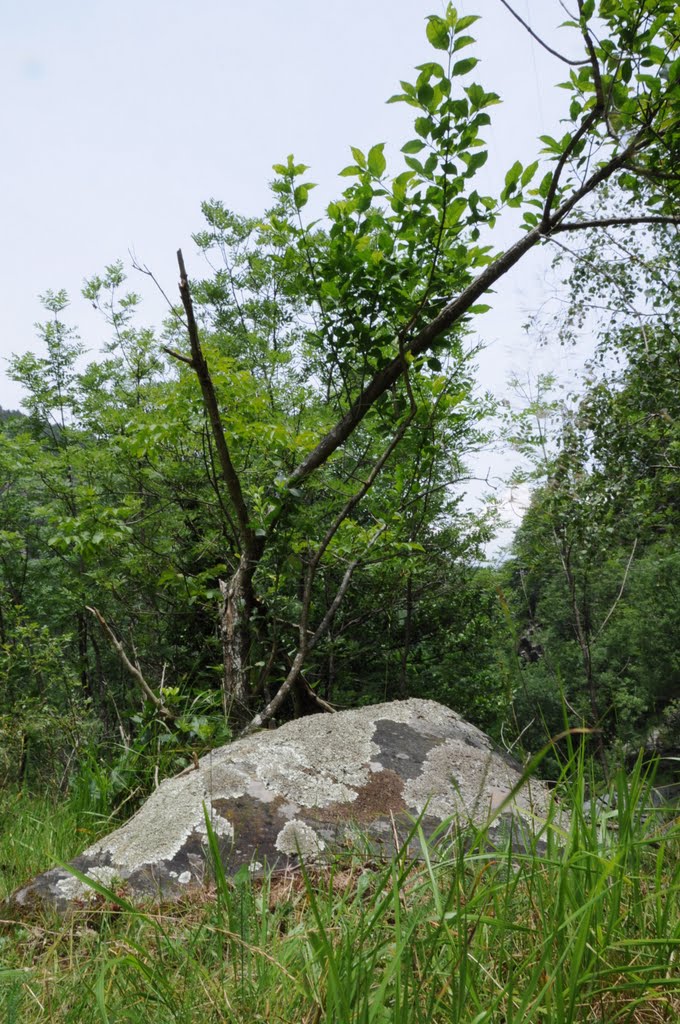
<point>620,593</point>
<point>134,670</point>
<point>592,59</point>
<point>143,269</point>
<point>341,591</point>
<point>547,223</point>
<point>555,53</point>
<point>250,543</point>
<point>181,358</point>
<point>287,685</point>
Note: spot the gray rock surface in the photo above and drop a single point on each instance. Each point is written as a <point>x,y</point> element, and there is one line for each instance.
<point>309,788</point>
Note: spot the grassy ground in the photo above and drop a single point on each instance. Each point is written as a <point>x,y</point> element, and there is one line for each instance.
<point>588,932</point>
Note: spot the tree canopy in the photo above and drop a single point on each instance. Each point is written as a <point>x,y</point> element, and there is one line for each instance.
<point>258,503</point>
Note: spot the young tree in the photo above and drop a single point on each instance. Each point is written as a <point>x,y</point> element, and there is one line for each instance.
<point>381,295</point>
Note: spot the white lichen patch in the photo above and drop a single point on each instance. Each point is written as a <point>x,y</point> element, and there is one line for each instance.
<point>72,888</point>
<point>220,825</point>
<point>318,773</point>
<point>257,789</point>
<point>289,809</point>
<point>161,827</point>
<point>184,878</point>
<point>297,838</point>
<point>464,781</point>
<point>223,775</point>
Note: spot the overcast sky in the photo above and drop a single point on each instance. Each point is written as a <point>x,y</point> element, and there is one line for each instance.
<point>119,119</point>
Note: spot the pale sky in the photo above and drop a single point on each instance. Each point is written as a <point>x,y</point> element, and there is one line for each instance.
<point>119,119</point>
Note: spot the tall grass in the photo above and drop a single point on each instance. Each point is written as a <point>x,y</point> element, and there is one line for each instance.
<point>38,831</point>
<point>589,931</point>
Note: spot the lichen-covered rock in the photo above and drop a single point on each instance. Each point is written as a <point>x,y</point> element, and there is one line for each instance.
<point>305,789</point>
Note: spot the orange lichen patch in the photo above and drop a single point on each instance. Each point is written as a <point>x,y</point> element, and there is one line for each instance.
<point>381,794</point>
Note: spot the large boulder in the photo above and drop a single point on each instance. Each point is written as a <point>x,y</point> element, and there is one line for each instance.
<point>307,789</point>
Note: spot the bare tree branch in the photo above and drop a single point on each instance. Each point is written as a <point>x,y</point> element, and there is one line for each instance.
<point>325,623</point>
<point>620,593</point>
<point>134,670</point>
<point>178,356</point>
<point>289,682</point>
<point>613,222</point>
<point>199,363</point>
<point>589,122</point>
<point>555,53</point>
<point>592,59</point>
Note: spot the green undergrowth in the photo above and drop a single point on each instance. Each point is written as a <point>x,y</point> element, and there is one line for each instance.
<point>38,831</point>
<point>587,931</point>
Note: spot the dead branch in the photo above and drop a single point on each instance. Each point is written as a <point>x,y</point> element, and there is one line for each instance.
<point>199,363</point>
<point>621,590</point>
<point>134,670</point>
<point>296,667</point>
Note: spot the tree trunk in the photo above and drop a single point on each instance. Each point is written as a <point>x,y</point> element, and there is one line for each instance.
<point>82,631</point>
<point>236,636</point>
<point>406,647</point>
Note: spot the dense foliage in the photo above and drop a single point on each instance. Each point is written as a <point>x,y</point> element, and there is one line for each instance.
<point>595,569</point>
<point>255,510</point>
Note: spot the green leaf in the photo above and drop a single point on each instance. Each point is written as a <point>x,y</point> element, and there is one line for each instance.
<point>414,146</point>
<point>330,289</point>
<point>528,173</point>
<point>462,67</point>
<point>476,94</point>
<point>465,22</point>
<point>431,163</point>
<point>431,69</point>
<point>301,194</point>
<point>544,187</point>
<point>438,32</point>
<point>358,156</point>
<point>552,144</point>
<point>376,160</point>
<point>476,160</point>
<point>513,174</point>
<point>462,41</point>
<point>415,164</point>
<point>455,211</point>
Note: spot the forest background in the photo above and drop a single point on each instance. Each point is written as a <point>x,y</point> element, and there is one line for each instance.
<point>256,510</point>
